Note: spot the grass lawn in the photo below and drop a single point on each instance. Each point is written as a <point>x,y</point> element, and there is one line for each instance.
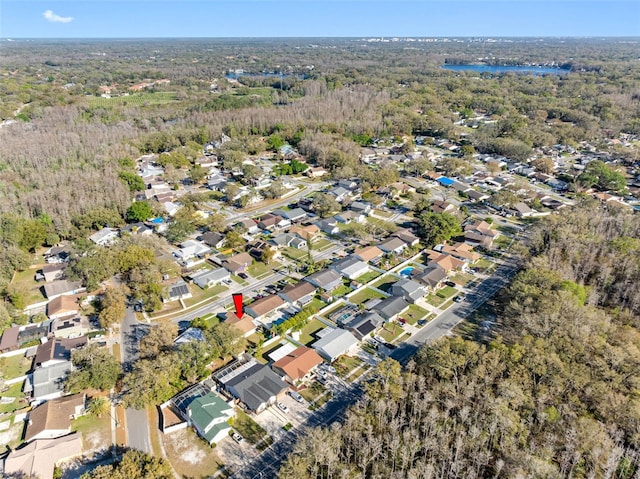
<point>384,214</point>
<point>462,278</point>
<point>385,282</point>
<point>14,391</point>
<point>317,303</point>
<point>434,300</point>
<point>446,305</point>
<point>447,292</point>
<point>25,284</point>
<point>345,364</point>
<point>190,455</point>
<point>365,278</point>
<point>502,242</point>
<point>239,280</point>
<point>317,395</point>
<point>138,99</point>
<point>358,373</point>
<point>311,327</point>
<point>415,313</point>
<point>259,269</point>
<point>14,366</point>
<point>341,290</point>
<point>321,244</point>
<point>96,431</point>
<point>365,295</point>
<point>247,427</point>
<point>200,294</point>
<point>394,330</point>
<point>483,264</point>
<point>295,254</point>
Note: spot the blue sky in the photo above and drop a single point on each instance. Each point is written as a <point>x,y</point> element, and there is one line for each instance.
<point>309,18</point>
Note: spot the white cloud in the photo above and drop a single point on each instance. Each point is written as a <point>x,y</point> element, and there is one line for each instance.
<point>52,17</point>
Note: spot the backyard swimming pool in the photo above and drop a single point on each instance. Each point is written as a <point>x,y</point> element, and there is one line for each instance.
<point>406,271</point>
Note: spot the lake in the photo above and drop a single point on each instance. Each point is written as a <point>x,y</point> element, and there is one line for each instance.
<point>507,68</point>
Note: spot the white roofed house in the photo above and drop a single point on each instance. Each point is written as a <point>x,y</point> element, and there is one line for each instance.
<point>293,215</point>
<point>210,277</point>
<point>327,279</point>
<point>351,267</point>
<point>105,236</point>
<point>335,343</point>
<point>192,249</point>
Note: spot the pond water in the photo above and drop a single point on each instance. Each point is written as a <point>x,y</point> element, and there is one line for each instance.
<point>508,68</point>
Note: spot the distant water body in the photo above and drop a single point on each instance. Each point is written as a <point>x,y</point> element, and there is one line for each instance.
<point>507,69</point>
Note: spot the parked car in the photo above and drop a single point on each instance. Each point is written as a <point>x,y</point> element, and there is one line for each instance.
<point>243,275</point>
<point>422,322</point>
<point>459,299</point>
<point>237,437</point>
<point>450,283</point>
<point>402,321</point>
<point>282,407</point>
<point>322,373</point>
<point>296,397</point>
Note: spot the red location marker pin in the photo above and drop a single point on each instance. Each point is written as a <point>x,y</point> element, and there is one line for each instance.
<point>237,301</point>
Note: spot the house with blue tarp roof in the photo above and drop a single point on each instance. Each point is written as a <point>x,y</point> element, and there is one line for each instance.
<point>445,181</point>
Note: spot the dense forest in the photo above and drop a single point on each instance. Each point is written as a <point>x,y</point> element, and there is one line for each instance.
<point>551,393</point>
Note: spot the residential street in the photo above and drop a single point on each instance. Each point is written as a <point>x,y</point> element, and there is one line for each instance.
<point>267,464</point>
<point>137,425</point>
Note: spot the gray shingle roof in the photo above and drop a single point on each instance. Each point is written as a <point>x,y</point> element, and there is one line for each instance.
<point>257,385</point>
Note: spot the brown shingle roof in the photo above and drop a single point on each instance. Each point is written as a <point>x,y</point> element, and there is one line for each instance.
<point>299,290</point>
<point>55,414</point>
<point>245,324</point>
<point>368,253</point>
<point>62,304</point>
<point>298,362</point>
<point>266,304</point>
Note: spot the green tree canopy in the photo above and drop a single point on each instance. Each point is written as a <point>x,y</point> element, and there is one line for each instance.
<point>139,211</point>
<point>436,228</point>
<point>597,174</point>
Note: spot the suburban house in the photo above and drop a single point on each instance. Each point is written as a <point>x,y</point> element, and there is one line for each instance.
<point>316,172</point>
<point>61,288</point>
<point>9,340</point>
<point>292,215</point>
<point>480,232</point>
<point>252,383</point>
<point>62,307</point>
<point>190,335</point>
<point>361,207</point>
<point>39,457</point>
<point>432,277</point>
<point>105,236</point>
<point>53,418</point>
<point>137,229</point>
<point>447,263</point>
<point>57,254</point>
<point>370,254</point>
<point>209,415</point>
<point>348,216</point>
<point>350,184</point>
<point>461,251</point>
<point>272,222</point>
<point>477,196</point>
<point>264,307</point>
<point>289,240</point>
<point>408,289</point>
<point>407,236</point>
<point>52,272</point>
<point>244,324</point>
<point>298,365</point>
<point>210,277</point>
<point>250,225</point>
<point>327,279</point>
<point>48,382</point>
<point>307,232</point>
<point>328,226</point>
<point>439,206</point>
<point>192,249</point>
<point>238,263</point>
<point>214,240</point>
<point>393,245</point>
<point>522,210</point>
<point>402,188</point>
<point>299,294</point>
<point>178,291</point>
<point>69,327</point>
<point>350,267</point>
<point>335,343</point>
<point>364,324</point>
<point>339,193</point>
<point>56,351</point>
<point>391,307</point>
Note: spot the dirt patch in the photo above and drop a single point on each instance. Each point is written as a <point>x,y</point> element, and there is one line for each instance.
<point>189,455</point>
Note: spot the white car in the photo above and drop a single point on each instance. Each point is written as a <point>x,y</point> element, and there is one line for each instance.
<point>237,437</point>
<point>296,396</point>
<point>282,407</point>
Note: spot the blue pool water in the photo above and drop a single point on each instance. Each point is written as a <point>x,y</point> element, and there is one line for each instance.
<point>407,271</point>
